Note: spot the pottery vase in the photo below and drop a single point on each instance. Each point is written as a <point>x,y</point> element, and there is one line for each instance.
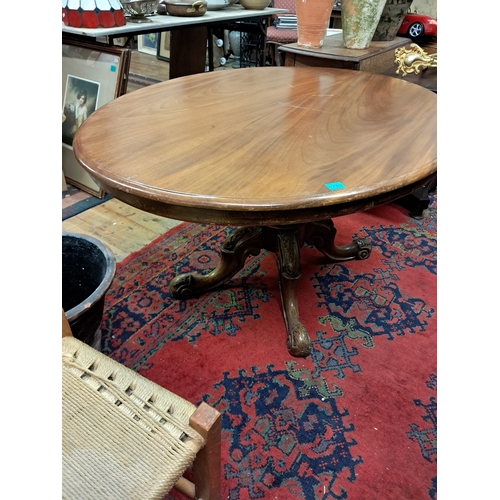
<point>313,17</point>
<point>391,19</point>
<point>359,21</point>
<point>235,43</point>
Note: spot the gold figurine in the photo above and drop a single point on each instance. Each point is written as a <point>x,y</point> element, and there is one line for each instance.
<point>412,60</point>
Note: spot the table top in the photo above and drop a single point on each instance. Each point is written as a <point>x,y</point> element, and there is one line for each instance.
<point>262,146</point>
<point>163,23</point>
<point>333,47</point>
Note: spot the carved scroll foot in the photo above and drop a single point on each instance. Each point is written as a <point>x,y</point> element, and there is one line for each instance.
<point>288,256</point>
<point>239,245</point>
<point>298,341</point>
<point>322,236</point>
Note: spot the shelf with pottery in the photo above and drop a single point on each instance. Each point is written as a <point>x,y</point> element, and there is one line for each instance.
<point>366,41</point>
<point>377,58</point>
<point>158,23</point>
<point>189,35</point>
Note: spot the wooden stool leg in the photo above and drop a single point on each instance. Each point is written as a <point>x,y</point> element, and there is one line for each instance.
<point>277,55</point>
<point>206,467</point>
<point>66,328</point>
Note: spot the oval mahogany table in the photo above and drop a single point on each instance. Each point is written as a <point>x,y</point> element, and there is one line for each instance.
<point>277,151</point>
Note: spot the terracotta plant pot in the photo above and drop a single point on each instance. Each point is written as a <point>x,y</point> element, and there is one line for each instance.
<point>313,17</point>
<point>391,19</point>
<point>359,21</point>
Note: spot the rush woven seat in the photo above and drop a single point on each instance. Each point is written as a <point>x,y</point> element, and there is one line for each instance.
<point>125,437</point>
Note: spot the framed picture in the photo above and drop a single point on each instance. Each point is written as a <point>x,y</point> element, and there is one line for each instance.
<point>148,43</point>
<point>93,74</point>
<point>163,52</point>
<point>79,101</point>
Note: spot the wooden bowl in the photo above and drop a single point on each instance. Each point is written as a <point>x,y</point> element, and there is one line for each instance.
<point>255,4</point>
<point>186,9</point>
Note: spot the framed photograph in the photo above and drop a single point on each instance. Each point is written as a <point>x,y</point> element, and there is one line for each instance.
<point>93,74</point>
<point>163,52</point>
<point>148,43</point>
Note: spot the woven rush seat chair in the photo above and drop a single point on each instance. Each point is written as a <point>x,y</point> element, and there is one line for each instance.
<point>125,437</point>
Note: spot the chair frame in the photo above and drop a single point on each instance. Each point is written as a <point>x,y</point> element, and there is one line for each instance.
<point>277,59</point>
<point>206,467</point>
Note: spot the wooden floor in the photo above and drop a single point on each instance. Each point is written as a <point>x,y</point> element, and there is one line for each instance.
<point>147,65</point>
<point>123,228</point>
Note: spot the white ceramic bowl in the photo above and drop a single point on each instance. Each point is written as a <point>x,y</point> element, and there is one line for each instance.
<point>217,4</point>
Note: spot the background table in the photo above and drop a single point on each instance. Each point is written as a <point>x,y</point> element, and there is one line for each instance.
<point>278,151</point>
<point>377,58</point>
<point>189,35</point>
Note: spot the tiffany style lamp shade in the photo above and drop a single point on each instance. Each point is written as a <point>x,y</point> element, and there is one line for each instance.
<point>92,13</point>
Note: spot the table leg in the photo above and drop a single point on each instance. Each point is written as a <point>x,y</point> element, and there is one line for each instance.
<point>188,47</point>
<point>288,257</point>
<point>289,240</point>
<point>417,201</point>
<point>321,235</point>
<point>239,245</point>
<point>285,242</point>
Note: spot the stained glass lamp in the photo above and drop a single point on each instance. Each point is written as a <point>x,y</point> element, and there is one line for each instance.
<point>92,13</point>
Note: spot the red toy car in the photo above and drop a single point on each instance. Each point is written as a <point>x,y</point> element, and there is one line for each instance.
<point>417,25</point>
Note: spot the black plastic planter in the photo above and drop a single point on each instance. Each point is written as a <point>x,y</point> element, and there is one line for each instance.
<point>88,268</point>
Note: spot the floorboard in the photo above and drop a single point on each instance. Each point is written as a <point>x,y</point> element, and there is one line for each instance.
<point>149,66</point>
<point>123,228</point>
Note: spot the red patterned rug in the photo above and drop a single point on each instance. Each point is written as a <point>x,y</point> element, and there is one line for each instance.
<point>357,419</point>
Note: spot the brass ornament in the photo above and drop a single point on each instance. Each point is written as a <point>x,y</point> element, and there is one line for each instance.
<point>414,59</point>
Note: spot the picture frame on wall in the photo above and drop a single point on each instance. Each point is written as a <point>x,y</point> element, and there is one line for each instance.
<point>93,74</point>
<point>163,52</point>
<point>148,43</point>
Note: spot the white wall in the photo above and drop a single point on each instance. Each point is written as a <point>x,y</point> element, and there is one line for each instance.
<point>427,7</point>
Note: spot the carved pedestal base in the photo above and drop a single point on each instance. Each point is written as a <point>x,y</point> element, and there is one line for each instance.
<point>285,242</point>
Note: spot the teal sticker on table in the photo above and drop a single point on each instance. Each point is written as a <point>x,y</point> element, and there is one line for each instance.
<point>113,68</point>
<point>335,185</point>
